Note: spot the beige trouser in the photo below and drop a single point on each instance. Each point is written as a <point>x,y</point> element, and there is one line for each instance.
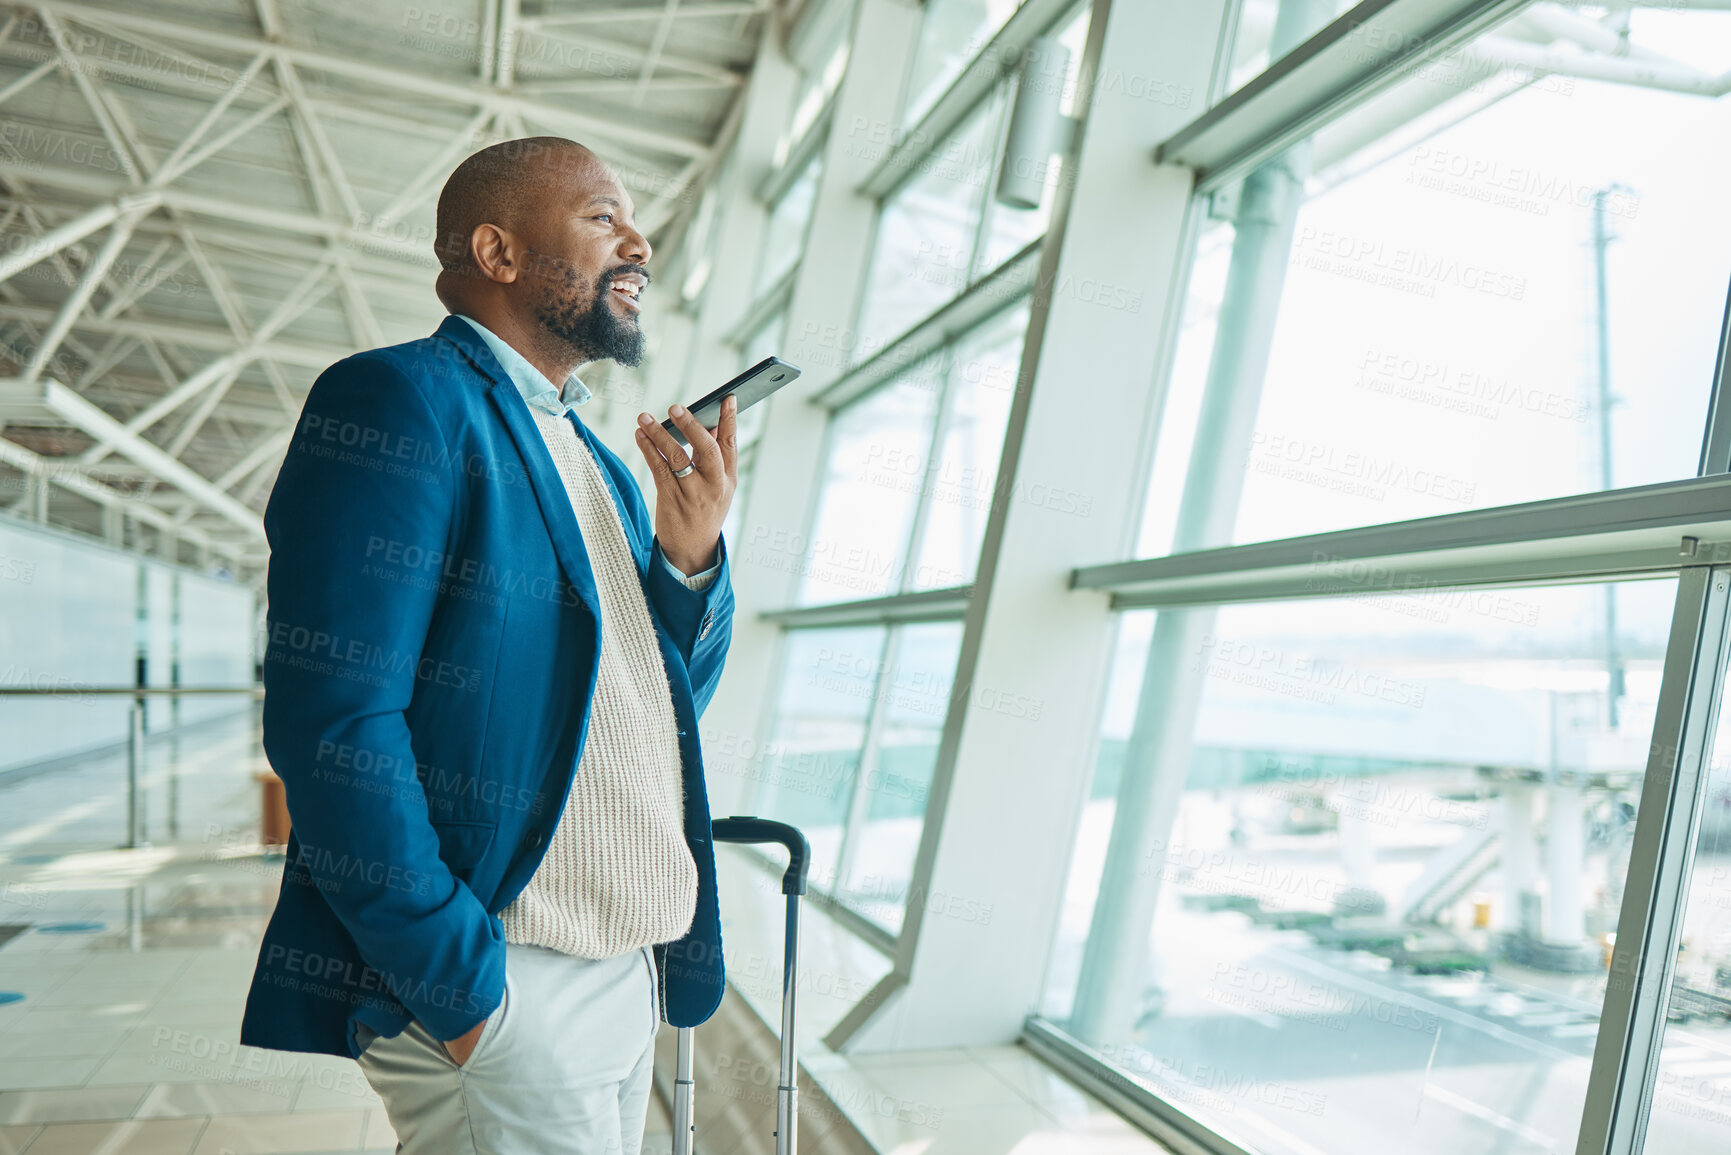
<point>563,1067</point>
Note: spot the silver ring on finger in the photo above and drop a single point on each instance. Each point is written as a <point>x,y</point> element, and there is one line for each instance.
<point>686,472</point>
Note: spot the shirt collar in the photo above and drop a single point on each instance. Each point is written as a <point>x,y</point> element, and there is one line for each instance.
<point>533,384</point>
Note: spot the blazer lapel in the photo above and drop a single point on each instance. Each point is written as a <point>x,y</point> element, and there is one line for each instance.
<point>544,479</point>
<point>550,491</point>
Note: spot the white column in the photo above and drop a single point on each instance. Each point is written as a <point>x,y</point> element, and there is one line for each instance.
<point>999,831</point>
<point>1520,853</point>
<point>1357,851</point>
<point>1565,858</point>
<point>783,491</point>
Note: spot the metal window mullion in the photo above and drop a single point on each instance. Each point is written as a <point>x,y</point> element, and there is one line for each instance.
<point>971,88</point>
<point>773,299</point>
<point>934,452</point>
<point>1632,1022</point>
<point>1002,288</point>
<point>946,604</point>
<point>807,148</point>
<point>1589,535</point>
<point>1272,111</point>
<point>859,799</point>
<point>1716,443</point>
<point>988,203</point>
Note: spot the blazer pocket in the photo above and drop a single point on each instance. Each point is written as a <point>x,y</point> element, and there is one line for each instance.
<point>462,844</point>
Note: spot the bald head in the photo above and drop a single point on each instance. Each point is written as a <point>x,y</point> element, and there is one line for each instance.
<point>537,241</point>
<point>505,184</point>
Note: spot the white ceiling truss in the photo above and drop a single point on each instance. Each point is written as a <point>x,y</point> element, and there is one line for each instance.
<point>203,203</point>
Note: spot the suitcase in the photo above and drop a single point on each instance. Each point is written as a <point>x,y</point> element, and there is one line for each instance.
<point>754,830</point>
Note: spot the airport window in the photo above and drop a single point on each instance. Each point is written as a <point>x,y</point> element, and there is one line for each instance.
<point>888,802</point>
<point>815,92</point>
<point>951,37</point>
<point>946,226</point>
<point>1253,48</point>
<point>1359,869</point>
<point>1691,1108</point>
<point>870,490</point>
<point>806,769</point>
<point>910,471</point>
<point>784,233</point>
<point>851,752</point>
<point>1466,311</point>
<point>963,463</point>
<point>1398,836</point>
<point>928,230</point>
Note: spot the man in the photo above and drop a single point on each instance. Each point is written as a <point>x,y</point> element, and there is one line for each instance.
<point>482,682</point>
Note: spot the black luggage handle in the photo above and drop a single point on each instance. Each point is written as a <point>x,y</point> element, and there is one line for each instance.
<point>741,828</point>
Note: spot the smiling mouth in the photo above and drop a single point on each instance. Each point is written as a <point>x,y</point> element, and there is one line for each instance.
<point>629,291</point>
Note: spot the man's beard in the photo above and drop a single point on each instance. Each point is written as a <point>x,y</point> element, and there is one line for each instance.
<point>594,332</point>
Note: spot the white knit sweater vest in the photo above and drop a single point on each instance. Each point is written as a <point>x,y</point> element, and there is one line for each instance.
<point>617,874</point>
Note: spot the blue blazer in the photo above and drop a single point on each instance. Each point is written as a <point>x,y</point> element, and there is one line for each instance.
<point>431,655</point>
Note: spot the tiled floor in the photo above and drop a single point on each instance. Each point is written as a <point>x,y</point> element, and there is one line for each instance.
<point>997,1100</point>
<point>134,971</point>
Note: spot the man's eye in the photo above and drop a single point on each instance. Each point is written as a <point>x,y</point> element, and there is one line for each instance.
<point>608,217</point>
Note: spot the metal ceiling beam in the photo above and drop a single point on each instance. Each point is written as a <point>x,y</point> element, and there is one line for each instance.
<point>50,398</point>
<point>629,15</point>
<point>69,309</point>
<point>284,220</point>
<point>657,46</point>
<point>601,46</point>
<point>57,238</point>
<point>75,68</point>
<point>73,480</point>
<point>191,336</point>
<point>28,79</point>
<point>219,373</point>
<point>374,73</point>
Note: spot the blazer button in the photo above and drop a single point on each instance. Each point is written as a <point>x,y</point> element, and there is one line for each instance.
<point>535,839</point>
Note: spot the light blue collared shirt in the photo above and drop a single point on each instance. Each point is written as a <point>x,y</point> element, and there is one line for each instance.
<point>540,393</point>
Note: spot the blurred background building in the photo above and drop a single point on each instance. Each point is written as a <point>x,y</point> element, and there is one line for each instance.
<point>1238,600</point>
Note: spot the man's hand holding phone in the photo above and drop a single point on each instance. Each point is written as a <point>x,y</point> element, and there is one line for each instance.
<point>693,488</point>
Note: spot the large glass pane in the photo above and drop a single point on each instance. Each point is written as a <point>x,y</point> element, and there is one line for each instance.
<point>871,490</point>
<point>784,233</point>
<point>952,35</point>
<point>1421,330</point>
<point>896,776</point>
<point>926,233</point>
<point>805,773</point>
<point>983,373</point>
<point>1252,48</point>
<point>1362,897</point>
<point>1692,1094</point>
<point>815,90</point>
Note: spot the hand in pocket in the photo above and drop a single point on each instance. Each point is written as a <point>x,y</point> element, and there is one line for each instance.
<point>461,1047</point>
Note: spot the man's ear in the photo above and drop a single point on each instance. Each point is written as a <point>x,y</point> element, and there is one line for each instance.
<point>493,250</point>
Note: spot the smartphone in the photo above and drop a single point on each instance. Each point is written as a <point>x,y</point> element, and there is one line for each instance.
<point>750,387</point>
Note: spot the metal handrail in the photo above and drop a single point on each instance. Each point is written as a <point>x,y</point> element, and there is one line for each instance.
<point>134,731</point>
